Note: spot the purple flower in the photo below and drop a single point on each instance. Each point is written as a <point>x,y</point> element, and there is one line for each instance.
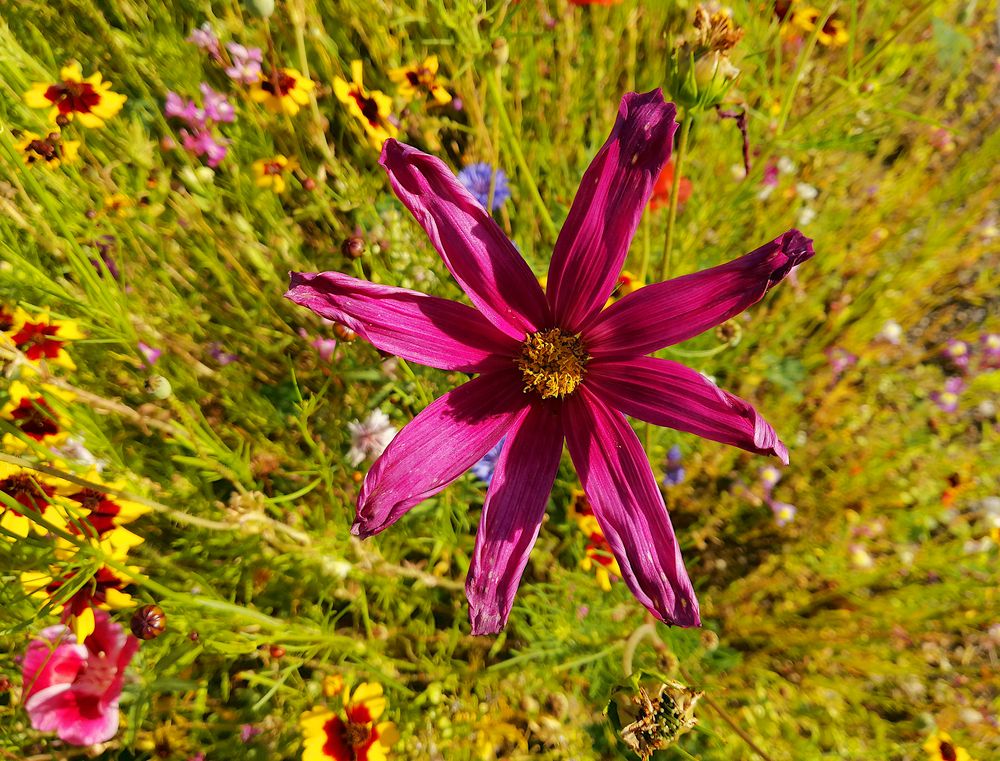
<point>477,178</point>
<point>840,360</point>
<point>553,367</point>
<point>484,469</point>
<point>769,477</point>
<point>149,353</point>
<point>202,143</point>
<point>105,245</point>
<point>947,400</point>
<point>217,107</point>
<point>784,513</point>
<point>247,731</point>
<point>220,355</point>
<point>246,63</point>
<point>771,174</point>
<point>989,344</point>
<point>674,472</point>
<point>204,37</point>
<point>185,110</point>
<point>957,352</point>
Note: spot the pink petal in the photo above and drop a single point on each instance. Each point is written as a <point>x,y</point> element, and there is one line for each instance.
<point>629,508</point>
<point>425,329</point>
<point>675,310</point>
<point>436,447</point>
<point>475,250</point>
<point>512,515</point>
<point>667,393</point>
<point>594,240</point>
<point>46,664</point>
<point>78,719</point>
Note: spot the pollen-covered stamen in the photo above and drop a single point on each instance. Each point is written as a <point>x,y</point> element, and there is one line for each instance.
<point>552,362</point>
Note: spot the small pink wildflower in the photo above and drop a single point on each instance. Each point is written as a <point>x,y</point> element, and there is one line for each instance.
<point>947,400</point>
<point>957,352</point>
<point>202,143</point>
<point>216,105</point>
<point>149,353</point>
<point>205,38</point>
<point>246,62</point>
<point>989,345</point>
<point>370,437</point>
<point>73,688</point>
<point>181,108</point>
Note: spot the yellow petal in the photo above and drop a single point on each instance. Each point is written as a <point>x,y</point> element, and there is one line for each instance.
<point>342,90</point>
<point>35,97</point>
<point>357,72</point>
<point>83,624</point>
<point>117,599</point>
<point>15,524</point>
<point>370,695</point>
<point>431,64</point>
<point>71,72</point>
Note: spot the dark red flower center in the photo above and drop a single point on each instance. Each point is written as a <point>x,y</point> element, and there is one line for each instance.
<point>47,149</point>
<point>36,340</point>
<point>102,511</point>
<point>93,592</point>
<point>6,320</point>
<point>34,418</point>
<point>279,83</point>
<point>948,751</point>
<point>349,740</point>
<point>272,168</point>
<point>27,492</point>
<point>73,97</point>
<point>368,106</point>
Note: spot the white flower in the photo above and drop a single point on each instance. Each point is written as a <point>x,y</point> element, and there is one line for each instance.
<point>369,438</point>
<point>786,165</point>
<point>891,332</point>
<point>805,191</point>
<point>806,215</point>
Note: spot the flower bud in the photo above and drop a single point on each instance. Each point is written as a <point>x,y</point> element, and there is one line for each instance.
<point>262,8</point>
<point>158,387</point>
<point>650,718</point>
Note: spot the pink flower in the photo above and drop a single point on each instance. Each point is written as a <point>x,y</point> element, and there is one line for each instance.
<point>73,689</point>
<point>185,110</point>
<point>217,106</point>
<point>553,366</point>
<point>246,63</point>
<point>201,143</point>
<point>204,37</point>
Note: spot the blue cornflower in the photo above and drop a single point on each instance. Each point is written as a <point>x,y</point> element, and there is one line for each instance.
<point>477,177</point>
<point>674,472</point>
<point>483,470</point>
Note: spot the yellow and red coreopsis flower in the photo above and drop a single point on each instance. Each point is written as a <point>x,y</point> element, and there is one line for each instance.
<point>354,735</point>
<point>90,100</point>
<point>104,589</point>
<point>283,91</point>
<point>372,108</point>
<point>50,151</point>
<point>598,555</point>
<point>43,337</point>
<point>24,495</point>
<point>271,172</point>
<point>420,79</point>
<point>832,35</point>
<point>30,411</point>
<point>939,747</point>
<point>102,516</point>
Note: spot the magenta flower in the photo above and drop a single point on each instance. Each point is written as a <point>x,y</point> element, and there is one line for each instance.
<point>181,108</point>
<point>246,63</point>
<point>553,366</point>
<point>204,37</point>
<point>202,143</point>
<point>216,104</point>
<point>72,688</point>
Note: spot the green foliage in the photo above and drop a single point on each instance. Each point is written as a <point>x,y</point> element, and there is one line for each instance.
<point>851,632</point>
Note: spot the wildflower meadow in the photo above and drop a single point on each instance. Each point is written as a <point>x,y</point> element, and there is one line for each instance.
<point>507,379</point>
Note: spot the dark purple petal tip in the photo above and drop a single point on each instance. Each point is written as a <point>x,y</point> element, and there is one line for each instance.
<point>795,248</point>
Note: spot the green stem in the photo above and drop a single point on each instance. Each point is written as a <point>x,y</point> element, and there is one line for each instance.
<point>793,85</point>
<point>675,188</point>
<point>493,85</point>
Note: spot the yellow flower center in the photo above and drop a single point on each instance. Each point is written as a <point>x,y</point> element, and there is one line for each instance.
<point>552,363</point>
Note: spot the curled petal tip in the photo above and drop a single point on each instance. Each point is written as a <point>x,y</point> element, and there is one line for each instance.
<point>484,622</point>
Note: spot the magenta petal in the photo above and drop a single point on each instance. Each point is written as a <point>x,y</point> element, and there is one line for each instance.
<point>594,241</point>
<point>675,310</point>
<point>425,329</point>
<point>629,508</point>
<point>512,515</point>
<point>436,447</point>
<point>476,251</point>
<point>78,718</point>
<point>669,394</point>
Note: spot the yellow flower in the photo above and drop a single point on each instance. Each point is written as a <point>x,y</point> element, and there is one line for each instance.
<point>372,109</point>
<point>42,337</point>
<point>419,79</point>
<point>31,412</point>
<point>24,496</point>
<point>833,34</point>
<point>50,151</point>
<point>939,747</point>
<point>282,91</point>
<point>271,172</point>
<point>353,735</point>
<point>103,588</point>
<point>117,204</point>
<point>90,100</point>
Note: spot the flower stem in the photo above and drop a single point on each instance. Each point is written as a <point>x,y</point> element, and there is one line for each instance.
<point>493,85</point>
<point>675,188</point>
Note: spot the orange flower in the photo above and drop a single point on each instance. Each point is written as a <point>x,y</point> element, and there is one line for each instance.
<point>663,186</point>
